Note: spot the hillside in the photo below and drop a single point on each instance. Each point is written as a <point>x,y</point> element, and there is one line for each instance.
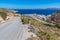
<point>45,31</point>
<point>12,29</point>
<point>6,14</point>
<point>37,23</point>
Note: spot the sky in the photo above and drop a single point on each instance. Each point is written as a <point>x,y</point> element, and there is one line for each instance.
<point>29,4</point>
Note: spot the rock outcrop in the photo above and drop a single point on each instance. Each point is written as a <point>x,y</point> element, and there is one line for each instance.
<point>56,17</point>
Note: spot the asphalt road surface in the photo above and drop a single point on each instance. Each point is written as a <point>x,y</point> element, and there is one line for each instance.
<point>12,29</point>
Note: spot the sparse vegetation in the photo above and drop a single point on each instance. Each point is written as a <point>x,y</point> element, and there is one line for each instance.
<point>46,35</point>
<point>43,35</point>
<point>35,23</point>
<point>26,19</point>
<point>3,15</point>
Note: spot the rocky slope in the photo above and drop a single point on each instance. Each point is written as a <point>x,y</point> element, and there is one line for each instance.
<point>45,31</point>
<point>55,17</point>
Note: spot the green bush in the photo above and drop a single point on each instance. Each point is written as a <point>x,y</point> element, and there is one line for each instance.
<point>3,15</point>
<point>57,25</point>
<point>47,24</point>
<point>25,19</point>
<point>34,22</point>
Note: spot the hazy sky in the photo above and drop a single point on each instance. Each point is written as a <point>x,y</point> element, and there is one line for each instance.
<point>28,4</point>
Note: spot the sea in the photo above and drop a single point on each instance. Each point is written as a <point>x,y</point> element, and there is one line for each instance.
<point>37,11</point>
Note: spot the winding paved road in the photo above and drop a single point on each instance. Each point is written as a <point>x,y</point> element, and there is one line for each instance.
<point>12,29</point>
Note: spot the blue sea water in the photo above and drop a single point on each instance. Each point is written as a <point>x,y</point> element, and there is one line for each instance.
<point>37,11</point>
